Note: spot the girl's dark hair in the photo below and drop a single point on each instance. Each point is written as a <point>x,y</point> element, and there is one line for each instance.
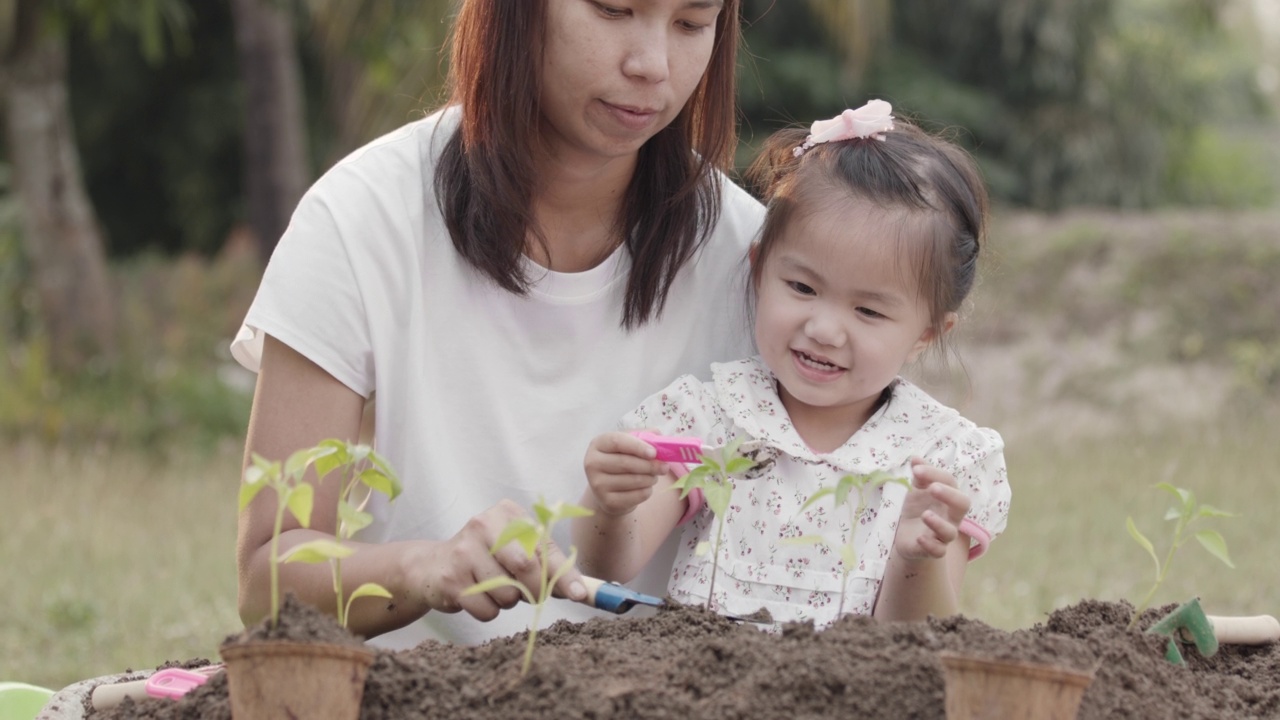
<point>910,170</point>
<point>485,178</point>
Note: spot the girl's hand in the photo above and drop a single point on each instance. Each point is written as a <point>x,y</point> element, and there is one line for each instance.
<point>442,571</point>
<point>621,472</point>
<point>931,513</point>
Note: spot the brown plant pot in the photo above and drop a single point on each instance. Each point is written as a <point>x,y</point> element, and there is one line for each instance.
<point>274,679</point>
<point>984,689</point>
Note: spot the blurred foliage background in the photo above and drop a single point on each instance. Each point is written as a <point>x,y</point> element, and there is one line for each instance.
<point>1131,104</point>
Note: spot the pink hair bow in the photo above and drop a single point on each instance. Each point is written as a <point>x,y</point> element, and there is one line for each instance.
<point>872,120</point>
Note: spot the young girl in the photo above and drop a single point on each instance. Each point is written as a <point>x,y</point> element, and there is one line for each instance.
<point>868,250</point>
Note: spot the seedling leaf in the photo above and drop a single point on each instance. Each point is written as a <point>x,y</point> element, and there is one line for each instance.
<point>848,557</point>
<point>298,462</point>
<point>299,500</point>
<point>821,493</point>
<point>296,496</point>
<point>520,531</point>
<point>532,535</point>
<point>254,475</point>
<point>369,590</point>
<point>250,490</point>
<point>1185,497</point>
<point>328,463</point>
<point>377,481</point>
<point>718,497</point>
<point>566,510</point>
<point>352,520</point>
<point>843,487</point>
<point>496,582</point>
<point>313,552</point>
<point>1143,541</point>
<point>1184,515</point>
<point>1212,541</point>
<point>365,590</point>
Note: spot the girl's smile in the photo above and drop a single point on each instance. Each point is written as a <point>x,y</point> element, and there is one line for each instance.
<point>816,368</point>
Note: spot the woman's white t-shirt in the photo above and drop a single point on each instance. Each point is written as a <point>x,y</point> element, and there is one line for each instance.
<point>481,395</point>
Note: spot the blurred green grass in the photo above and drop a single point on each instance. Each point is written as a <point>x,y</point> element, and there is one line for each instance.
<point>1066,538</point>
<point>114,560</point>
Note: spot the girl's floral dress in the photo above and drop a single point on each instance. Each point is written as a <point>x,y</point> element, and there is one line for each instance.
<point>802,582</point>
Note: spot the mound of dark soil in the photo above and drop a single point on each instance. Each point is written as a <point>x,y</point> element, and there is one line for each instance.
<point>688,663</point>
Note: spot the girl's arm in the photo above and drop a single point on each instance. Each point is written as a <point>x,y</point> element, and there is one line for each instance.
<point>297,404</point>
<point>634,504</point>
<point>926,567</point>
<point>914,589</point>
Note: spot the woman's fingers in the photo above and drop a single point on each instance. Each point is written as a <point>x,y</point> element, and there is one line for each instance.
<point>472,559</point>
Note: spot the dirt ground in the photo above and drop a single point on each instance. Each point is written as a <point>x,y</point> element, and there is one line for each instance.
<point>688,663</point>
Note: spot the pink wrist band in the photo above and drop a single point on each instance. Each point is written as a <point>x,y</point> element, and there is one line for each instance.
<point>979,535</point>
<point>694,499</point>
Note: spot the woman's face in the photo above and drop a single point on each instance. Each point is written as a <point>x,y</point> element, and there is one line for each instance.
<point>615,72</point>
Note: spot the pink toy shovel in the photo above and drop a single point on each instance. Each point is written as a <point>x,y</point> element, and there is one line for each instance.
<point>170,683</point>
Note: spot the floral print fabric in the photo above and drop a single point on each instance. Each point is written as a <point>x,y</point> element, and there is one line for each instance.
<point>802,582</point>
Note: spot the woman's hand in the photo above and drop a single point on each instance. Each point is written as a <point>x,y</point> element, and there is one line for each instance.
<point>621,472</point>
<point>931,513</point>
<point>442,571</point>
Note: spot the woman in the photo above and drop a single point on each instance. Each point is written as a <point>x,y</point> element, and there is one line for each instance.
<point>505,277</point>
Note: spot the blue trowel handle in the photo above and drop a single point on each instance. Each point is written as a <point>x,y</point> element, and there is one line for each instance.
<point>614,598</point>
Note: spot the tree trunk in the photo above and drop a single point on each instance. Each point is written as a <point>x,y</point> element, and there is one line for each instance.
<point>275,134</point>
<point>61,235</point>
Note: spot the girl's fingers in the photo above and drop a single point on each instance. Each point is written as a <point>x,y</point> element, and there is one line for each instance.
<point>625,444</point>
<point>953,499</point>
<point>622,464</point>
<point>924,475</point>
<point>943,529</point>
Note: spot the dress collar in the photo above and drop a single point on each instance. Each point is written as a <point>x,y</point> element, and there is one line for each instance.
<point>899,428</point>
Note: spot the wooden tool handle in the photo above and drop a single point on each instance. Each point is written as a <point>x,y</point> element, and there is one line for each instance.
<point>593,585</point>
<point>1255,630</point>
<point>110,695</point>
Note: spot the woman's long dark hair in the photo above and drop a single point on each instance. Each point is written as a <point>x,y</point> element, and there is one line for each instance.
<point>485,178</point>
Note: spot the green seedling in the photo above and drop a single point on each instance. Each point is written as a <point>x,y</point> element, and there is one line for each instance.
<point>1184,514</point>
<point>840,493</point>
<point>533,535</point>
<point>714,478</point>
<point>360,467</point>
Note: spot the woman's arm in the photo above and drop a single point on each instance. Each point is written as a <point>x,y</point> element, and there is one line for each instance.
<point>296,405</point>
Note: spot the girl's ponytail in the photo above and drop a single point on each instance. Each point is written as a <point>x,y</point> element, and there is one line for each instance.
<point>775,162</point>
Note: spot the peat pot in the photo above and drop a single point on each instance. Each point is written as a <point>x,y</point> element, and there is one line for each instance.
<point>980,688</point>
<point>277,679</point>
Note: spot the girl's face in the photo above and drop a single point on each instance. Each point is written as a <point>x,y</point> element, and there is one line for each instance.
<point>838,313</point>
<point>615,72</point>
